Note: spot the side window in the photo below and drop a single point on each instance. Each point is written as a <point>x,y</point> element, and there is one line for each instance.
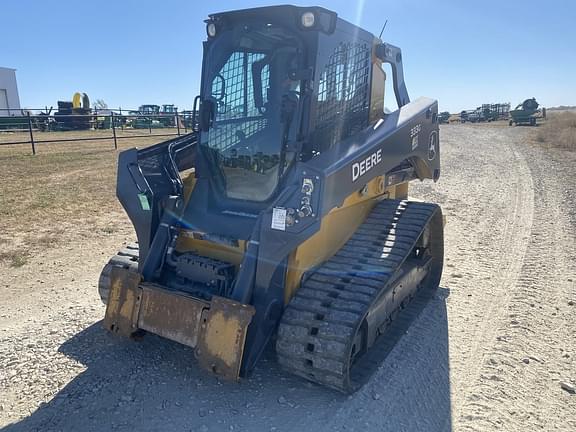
<point>343,94</point>
<point>238,117</point>
<point>233,86</point>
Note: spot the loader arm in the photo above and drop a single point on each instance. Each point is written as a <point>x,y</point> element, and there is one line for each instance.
<point>393,56</point>
<point>146,178</point>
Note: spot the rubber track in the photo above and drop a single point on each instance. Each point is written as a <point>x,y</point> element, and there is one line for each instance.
<point>319,325</point>
<point>126,258</point>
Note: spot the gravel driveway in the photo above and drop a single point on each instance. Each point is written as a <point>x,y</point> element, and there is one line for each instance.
<point>494,350</point>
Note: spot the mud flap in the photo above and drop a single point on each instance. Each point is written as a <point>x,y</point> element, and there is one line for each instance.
<point>216,329</point>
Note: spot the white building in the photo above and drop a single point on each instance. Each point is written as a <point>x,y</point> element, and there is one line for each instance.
<point>9,99</point>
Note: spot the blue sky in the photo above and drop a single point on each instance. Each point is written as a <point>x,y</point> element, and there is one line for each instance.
<point>130,52</point>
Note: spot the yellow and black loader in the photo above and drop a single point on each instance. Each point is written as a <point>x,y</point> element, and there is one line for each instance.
<point>285,215</point>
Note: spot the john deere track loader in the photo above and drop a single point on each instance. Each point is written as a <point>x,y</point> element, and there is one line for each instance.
<point>285,216</point>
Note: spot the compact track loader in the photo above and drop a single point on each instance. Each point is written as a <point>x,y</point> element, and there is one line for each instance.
<point>284,217</point>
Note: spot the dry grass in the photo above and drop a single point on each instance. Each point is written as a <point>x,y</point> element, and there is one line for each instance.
<point>65,191</point>
<point>559,130</point>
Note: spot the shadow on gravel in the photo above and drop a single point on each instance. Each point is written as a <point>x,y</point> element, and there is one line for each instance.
<point>411,389</point>
<point>155,385</point>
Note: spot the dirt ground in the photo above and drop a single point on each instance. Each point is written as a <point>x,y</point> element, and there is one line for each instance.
<point>64,193</point>
<point>494,350</point>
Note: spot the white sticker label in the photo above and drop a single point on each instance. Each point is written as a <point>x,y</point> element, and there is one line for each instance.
<point>279,219</point>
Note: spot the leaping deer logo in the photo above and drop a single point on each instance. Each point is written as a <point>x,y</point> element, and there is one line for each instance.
<point>432,145</point>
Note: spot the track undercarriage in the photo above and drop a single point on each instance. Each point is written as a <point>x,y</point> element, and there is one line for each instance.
<point>330,331</point>
<point>331,324</point>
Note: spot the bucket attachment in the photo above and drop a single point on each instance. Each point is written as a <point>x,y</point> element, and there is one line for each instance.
<point>216,329</point>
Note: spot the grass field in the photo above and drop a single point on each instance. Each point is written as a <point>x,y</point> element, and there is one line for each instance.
<point>60,193</point>
<point>559,130</point>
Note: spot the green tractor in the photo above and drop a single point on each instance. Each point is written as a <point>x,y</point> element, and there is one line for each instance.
<point>154,116</point>
<point>146,117</point>
<point>443,117</point>
<point>168,115</point>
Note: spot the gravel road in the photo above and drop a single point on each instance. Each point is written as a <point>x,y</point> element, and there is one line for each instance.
<point>495,349</point>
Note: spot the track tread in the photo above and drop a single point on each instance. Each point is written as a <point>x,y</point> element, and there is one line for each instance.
<point>126,258</point>
<point>318,328</point>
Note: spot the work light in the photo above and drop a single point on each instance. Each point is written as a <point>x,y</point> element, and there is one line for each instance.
<point>308,19</point>
<point>211,29</point>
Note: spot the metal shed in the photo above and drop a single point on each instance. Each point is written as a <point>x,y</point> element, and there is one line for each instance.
<point>9,99</point>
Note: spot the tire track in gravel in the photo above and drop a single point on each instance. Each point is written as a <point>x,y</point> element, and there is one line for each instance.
<point>519,380</point>
<point>500,259</point>
<point>488,196</point>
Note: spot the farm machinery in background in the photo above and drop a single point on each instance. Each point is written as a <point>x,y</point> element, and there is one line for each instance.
<point>444,117</point>
<point>470,116</point>
<point>146,117</point>
<point>494,112</point>
<point>189,119</point>
<point>486,113</point>
<point>78,115</point>
<point>154,116</point>
<point>527,113</point>
<point>73,115</point>
<point>44,121</point>
<point>169,115</point>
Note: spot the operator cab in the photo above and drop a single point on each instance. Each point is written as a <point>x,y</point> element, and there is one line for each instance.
<point>280,85</point>
<point>251,97</point>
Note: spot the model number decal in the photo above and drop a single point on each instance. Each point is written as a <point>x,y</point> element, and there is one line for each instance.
<point>414,135</point>
<point>365,165</point>
<point>415,130</point>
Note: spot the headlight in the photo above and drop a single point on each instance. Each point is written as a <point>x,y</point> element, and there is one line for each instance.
<point>211,29</point>
<point>308,19</point>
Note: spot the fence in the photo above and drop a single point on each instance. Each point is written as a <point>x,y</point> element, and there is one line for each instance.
<point>109,120</point>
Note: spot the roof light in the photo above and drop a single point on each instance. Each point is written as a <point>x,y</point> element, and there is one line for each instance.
<point>308,19</point>
<point>211,29</point>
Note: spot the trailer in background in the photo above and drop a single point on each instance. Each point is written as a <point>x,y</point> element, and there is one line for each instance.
<point>527,113</point>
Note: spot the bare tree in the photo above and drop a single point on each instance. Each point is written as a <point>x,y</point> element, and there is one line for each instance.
<point>100,104</point>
